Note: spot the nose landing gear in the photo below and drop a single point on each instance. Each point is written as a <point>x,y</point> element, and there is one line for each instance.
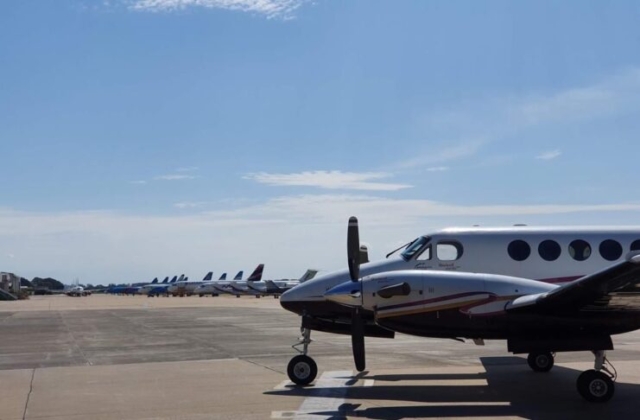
<point>302,369</point>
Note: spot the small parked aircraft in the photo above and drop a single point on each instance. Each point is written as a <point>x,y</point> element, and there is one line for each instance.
<point>507,292</point>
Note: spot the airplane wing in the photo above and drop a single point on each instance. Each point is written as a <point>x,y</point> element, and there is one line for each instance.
<point>614,288</point>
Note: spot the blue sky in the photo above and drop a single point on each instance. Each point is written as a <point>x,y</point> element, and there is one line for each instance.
<point>141,138</point>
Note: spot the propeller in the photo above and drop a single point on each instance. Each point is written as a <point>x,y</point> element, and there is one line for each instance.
<point>357,323</point>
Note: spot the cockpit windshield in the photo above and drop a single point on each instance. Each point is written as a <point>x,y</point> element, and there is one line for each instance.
<point>415,247</point>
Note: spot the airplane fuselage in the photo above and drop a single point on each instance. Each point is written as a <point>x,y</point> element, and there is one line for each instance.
<point>547,255</point>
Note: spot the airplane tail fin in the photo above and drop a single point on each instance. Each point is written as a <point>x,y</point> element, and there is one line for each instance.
<point>308,275</point>
<point>166,280</point>
<point>181,278</point>
<point>174,279</point>
<point>154,281</point>
<point>208,277</point>
<point>186,279</point>
<point>239,275</point>
<point>257,273</point>
<point>223,276</point>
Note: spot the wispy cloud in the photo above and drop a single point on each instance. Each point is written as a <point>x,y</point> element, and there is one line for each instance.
<point>188,205</point>
<point>550,155</point>
<point>138,182</point>
<point>332,180</point>
<point>469,126</point>
<point>188,169</point>
<point>447,153</point>
<point>283,9</point>
<point>174,177</point>
<point>438,169</point>
<point>74,244</point>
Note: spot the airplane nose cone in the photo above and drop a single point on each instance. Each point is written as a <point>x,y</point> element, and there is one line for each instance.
<point>347,293</point>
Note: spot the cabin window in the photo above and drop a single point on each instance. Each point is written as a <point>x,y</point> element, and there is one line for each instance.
<point>425,255</point>
<point>549,250</point>
<point>415,247</point>
<point>449,251</point>
<point>519,250</point>
<point>610,250</point>
<point>635,245</point>
<point>579,250</point>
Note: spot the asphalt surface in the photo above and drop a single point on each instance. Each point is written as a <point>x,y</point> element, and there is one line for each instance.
<point>224,357</point>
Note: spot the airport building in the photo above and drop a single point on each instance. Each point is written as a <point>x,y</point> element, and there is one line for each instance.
<point>9,286</point>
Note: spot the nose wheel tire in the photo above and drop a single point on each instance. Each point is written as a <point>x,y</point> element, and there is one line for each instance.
<point>540,361</point>
<point>302,370</point>
<point>595,386</point>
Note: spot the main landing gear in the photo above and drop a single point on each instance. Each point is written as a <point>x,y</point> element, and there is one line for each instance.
<point>541,361</point>
<point>595,385</point>
<point>598,384</point>
<point>302,369</point>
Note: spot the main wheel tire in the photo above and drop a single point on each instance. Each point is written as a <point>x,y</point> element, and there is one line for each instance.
<point>540,361</point>
<point>595,386</point>
<point>302,370</point>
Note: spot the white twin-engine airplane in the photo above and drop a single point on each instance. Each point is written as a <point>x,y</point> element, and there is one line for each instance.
<point>544,290</point>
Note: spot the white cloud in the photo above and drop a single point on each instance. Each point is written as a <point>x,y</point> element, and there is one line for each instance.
<point>438,169</point>
<point>333,180</point>
<point>174,177</point>
<point>550,155</point>
<point>138,182</point>
<point>460,133</point>
<point>447,153</point>
<point>188,169</point>
<point>288,233</point>
<point>187,205</point>
<point>270,8</point>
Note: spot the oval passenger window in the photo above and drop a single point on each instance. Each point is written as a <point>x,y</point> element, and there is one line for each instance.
<point>519,250</point>
<point>610,250</point>
<point>549,250</point>
<point>579,250</point>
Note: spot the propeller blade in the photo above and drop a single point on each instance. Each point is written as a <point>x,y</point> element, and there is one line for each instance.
<point>353,249</point>
<point>357,339</point>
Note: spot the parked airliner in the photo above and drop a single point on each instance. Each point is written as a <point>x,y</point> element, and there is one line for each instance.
<point>544,290</point>
<point>185,287</point>
<point>208,288</point>
<point>277,287</point>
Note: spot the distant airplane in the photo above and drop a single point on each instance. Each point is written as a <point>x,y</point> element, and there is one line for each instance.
<point>277,287</point>
<point>241,287</point>
<point>209,287</point>
<point>186,288</point>
<point>223,286</point>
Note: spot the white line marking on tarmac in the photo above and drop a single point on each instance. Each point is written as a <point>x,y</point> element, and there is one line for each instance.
<point>368,382</point>
<point>327,397</point>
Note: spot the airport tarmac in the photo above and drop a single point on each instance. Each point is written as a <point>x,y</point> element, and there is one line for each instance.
<point>124,357</point>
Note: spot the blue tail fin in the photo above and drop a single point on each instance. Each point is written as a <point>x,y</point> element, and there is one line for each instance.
<point>223,276</point>
<point>174,279</point>
<point>308,275</point>
<point>181,278</point>
<point>239,275</point>
<point>154,281</point>
<point>166,279</point>
<point>208,277</point>
<point>257,273</point>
